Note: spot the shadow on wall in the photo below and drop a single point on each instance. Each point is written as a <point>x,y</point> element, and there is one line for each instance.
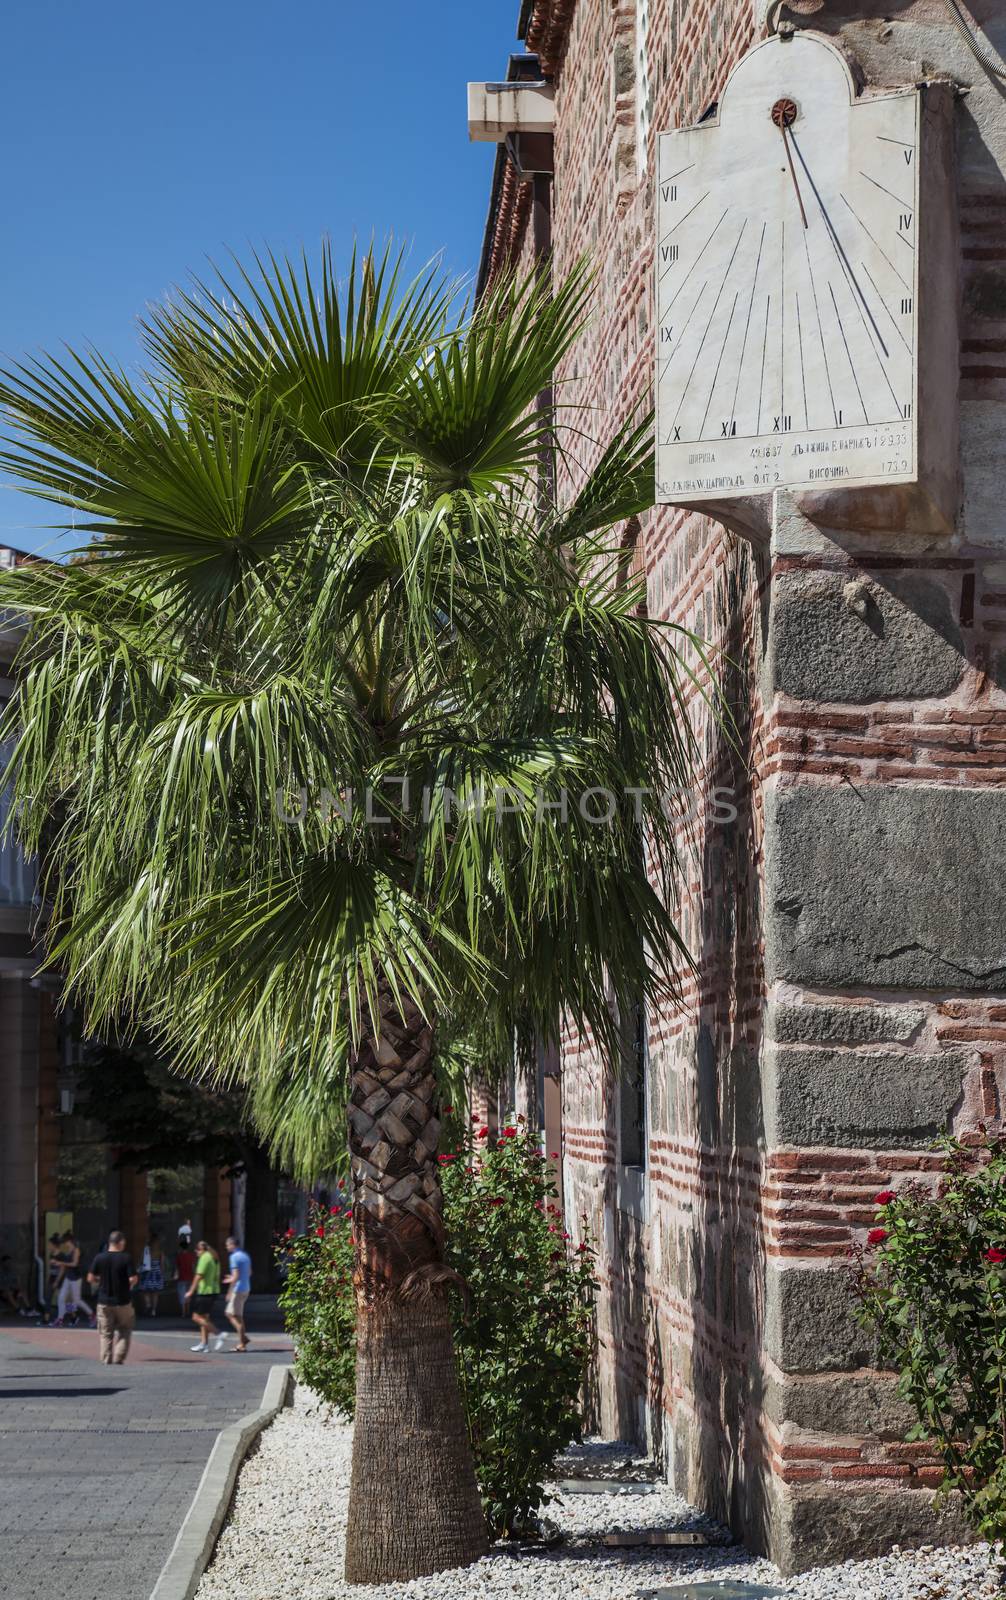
<point>719,1454</point>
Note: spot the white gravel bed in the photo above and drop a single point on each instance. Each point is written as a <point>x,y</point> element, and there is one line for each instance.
<point>285,1536</point>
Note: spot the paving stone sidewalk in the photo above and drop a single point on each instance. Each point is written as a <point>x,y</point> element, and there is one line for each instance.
<point>98,1465</point>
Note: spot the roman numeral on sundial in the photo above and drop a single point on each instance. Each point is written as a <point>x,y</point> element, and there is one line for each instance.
<point>728,430</point>
<point>668,252</point>
<point>906,305</point>
<point>907,410</point>
<point>782,424</point>
<point>668,192</point>
<point>677,435</point>
<point>904,221</point>
<point>666,333</point>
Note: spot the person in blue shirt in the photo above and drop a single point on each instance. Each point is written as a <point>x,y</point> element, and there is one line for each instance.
<point>238,1282</point>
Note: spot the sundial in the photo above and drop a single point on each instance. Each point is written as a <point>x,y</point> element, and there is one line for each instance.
<point>787,283</point>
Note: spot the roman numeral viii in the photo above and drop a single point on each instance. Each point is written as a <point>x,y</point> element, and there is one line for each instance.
<point>668,252</point>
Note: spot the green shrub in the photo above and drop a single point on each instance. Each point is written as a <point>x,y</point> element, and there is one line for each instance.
<point>931,1283</point>
<point>523,1334</point>
<point>317,1304</point>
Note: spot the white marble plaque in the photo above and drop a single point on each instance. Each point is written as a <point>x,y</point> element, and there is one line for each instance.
<point>787,283</point>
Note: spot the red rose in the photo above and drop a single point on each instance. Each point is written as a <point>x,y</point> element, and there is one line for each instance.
<point>483,1133</point>
<point>996,1257</point>
<point>320,1232</point>
<point>876,1236</point>
<point>553,1155</point>
<point>885,1197</point>
<point>509,1133</point>
<point>444,1160</point>
<point>342,1183</point>
<point>581,1248</point>
<point>290,1233</point>
<point>334,1212</point>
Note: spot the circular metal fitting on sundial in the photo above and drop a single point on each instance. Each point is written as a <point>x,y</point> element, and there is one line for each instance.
<point>784,113</point>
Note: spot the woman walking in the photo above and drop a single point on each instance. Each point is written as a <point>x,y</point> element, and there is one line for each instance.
<point>70,1298</point>
<point>185,1268</point>
<point>152,1273</point>
<point>204,1291</point>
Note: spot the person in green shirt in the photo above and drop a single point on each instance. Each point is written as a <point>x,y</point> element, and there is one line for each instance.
<point>204,1290</point>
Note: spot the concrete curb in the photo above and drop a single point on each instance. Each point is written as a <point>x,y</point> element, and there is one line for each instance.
<point>198,1533</point>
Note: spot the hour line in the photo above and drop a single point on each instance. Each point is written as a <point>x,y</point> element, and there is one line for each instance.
<point>887,308</point>
<point>686,325</point>
<point>691,269</point>
<point>685,330</point>
<point>747,324</point>
<point>803,370</point>
<point>845,341</point>
<point>909,205</point>
<point>709,324</point>
<point>672,175</point>
<point>837,244</point>
<point>764,349</point>
<point>875,244</point>
<point>820,330</point>
<point>886,139</point>
<point>719,363</point>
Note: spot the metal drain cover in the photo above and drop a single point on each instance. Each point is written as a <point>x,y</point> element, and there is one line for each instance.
<point>608,1486</point>
<point>728,1589</point>
<point>671,1538</point>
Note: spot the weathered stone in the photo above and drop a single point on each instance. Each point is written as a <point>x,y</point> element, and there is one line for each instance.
<point>810,1320</point>
<point>902,642</point>
<point>884,886</point>
<point>875,1100</point>
<point>852,1024</point>
<point>817,1527</point>
<point>845,1405</point>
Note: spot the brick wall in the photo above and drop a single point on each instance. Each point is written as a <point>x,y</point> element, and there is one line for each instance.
<point>849,996</point>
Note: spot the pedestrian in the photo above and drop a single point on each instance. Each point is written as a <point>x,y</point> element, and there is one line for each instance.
<point>238,1282</point>
<point>11,1293</point>
<point>185,1268</point>
<point>203,1293</point>
<point>70,1298</point>
<point>152,1273</point>
<point>113,1274</point>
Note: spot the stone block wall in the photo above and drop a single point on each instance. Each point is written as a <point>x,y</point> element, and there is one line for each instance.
<point>848,1001</point>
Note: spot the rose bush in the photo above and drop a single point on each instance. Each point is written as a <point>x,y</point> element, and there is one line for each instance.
<point>523,1330</point>
<point>931,1283</point>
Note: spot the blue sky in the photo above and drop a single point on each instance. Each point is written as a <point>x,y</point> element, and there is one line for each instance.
<point>140,139</point>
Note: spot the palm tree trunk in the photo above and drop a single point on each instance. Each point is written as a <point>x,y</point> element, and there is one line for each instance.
<point>414,1504</point>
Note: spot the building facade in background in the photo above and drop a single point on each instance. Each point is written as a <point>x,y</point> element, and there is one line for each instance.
<point>848,1002</point>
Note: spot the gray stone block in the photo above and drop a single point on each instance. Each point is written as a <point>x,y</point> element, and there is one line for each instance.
<point>895,638</point>
<point>874,1100</point>
<point>845,1405</point>
<point>853,1024</point>
<point>810,1321</point>
<point>818,1528</point>
<point>885,886</point>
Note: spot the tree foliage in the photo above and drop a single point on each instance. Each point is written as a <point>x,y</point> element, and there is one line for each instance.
<point>323,588</point>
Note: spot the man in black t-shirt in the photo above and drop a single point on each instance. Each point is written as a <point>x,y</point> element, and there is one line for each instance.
<point>114,1276</point>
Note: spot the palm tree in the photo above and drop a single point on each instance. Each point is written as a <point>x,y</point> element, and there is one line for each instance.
<point>322,588</point>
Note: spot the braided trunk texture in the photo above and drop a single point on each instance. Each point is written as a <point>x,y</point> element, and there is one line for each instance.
<point>414,1505</point>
